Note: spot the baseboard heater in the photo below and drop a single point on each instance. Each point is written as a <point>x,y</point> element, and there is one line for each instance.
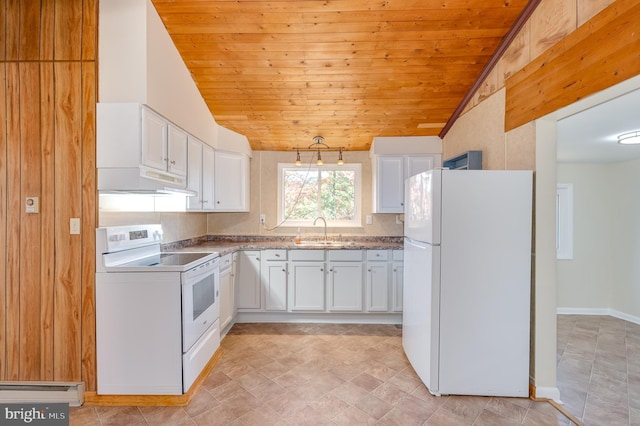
<point>42,392</point>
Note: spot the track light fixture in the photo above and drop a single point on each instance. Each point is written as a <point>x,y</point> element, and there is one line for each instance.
<point>319,146</point>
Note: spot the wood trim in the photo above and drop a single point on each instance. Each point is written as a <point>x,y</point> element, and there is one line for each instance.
<point>599,54</point>
<point>47,224</point>
<point>89,223</point>
<point>29,238</point>
<point>13,224</point>
<point>3,217</point>
<point>67,326</point>
<point>91,398</point>
<point>493,61</point>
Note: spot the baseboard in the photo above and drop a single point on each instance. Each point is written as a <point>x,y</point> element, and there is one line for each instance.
<point>92,398</point>
<point>544,393</point>
<point>599,311</point>
<point>42,392</point>
<point>320,318</point>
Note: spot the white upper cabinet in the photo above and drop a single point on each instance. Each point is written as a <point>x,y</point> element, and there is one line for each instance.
<point>177,151</point>
<point>389,174</point>
<point>231,171</point>
<point>200,175</point>
<point>164,146</point>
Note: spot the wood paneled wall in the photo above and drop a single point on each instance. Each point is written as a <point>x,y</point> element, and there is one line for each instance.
<point>47,150</point>
<point>598,55</point>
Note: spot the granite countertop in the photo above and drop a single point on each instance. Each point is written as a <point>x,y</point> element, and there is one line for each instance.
<point>225,246</point>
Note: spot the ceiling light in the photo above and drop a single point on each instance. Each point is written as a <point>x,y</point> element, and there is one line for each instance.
<point>629,138</point>
<point>318,146</point>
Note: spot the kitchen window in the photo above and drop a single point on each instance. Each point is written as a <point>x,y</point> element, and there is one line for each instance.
<point>329,191</point>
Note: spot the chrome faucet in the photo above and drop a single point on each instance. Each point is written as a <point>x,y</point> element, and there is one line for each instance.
<point>325,227</point>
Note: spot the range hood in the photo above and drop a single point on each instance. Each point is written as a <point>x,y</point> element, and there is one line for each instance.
<point>138,180</point>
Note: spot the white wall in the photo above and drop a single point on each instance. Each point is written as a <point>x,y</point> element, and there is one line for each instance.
<point>604,274</point>
<point>138,62</point>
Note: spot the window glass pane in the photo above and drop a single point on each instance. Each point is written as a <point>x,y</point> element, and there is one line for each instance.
<point>337,194</point>
<point>330,192</point>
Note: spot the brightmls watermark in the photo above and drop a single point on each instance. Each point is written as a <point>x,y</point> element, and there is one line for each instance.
<point>34,414</point>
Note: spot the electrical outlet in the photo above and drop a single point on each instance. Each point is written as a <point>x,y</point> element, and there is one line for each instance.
<point>263,218</point>
<point>369,219</point>
<point>74,226</point>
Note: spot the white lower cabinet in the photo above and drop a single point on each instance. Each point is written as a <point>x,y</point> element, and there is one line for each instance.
<point>227,291</point>
<point>397,280</point>
<point>273,272</point>
<point>312,281</point>
<point>249,285</point>
<point>377,287</point>
<point>307,272</point>
<point>345,284</point>
<point>377,281</point>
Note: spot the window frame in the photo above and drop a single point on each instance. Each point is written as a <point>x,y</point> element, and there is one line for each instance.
<point>357,220</point>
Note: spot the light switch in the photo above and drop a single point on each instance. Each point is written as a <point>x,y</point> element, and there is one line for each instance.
<point>369,219</point>
<point>74,225</point>
<point>32,205</point>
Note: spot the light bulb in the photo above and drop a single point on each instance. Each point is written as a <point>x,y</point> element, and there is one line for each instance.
<point>319,162</point>
<point>298,162</point>
<point>340,160</point>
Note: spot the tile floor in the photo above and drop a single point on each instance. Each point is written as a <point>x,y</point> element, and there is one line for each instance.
<point>313,374</point>
<point>599,369</point>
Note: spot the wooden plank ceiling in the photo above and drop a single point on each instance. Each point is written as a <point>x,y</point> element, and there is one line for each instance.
<point>282,72</point>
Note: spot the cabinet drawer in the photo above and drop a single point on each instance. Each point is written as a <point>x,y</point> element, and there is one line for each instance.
<point>398,254</point>
<point>274,254</point>
<point>377,254</point>
<point>226,261</point>
<point>306,255</point>
<point>344,255</point>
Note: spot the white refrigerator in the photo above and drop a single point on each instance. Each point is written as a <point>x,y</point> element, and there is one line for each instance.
<point>467,280</point>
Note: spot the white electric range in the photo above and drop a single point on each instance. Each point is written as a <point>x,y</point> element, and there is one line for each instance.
<point>156,313</point>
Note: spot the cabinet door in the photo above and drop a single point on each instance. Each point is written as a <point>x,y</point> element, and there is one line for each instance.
<point>231,181</point>
<point>194,177</point>
<point>389,184</point>
<point>307,289</point>
<point>345,286</point>
<point>274,281</point>
<point>154,140</point>
<point>377,286</point>
<point>415,164</point>
<point>207,177</point>
<point>226,298</point>
<point>396,286</point>
<point>177,151</point>
<point>249,288</point>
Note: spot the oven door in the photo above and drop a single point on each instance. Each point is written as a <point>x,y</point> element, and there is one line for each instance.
<point>200,305</point>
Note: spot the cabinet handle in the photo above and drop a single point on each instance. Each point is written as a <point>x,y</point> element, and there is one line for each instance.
<point>277,254</point>
<point>217,202</point>
<point>369,270</point>
<point>257,258</point>
<point>321,269</point>
<point>284,270</point>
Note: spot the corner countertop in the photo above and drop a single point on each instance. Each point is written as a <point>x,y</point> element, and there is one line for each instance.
<point>224,246</point>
